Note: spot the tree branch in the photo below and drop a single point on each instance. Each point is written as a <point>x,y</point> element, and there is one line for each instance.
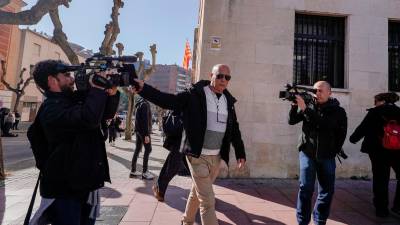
<point>112,30</point>
<point>3,75</point>
<point>33,15</point>
<point>60,38</point>
<point>4,3</point>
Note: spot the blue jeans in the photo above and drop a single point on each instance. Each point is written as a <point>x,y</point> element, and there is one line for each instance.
<point>324,170</point>
<point>70,211</point>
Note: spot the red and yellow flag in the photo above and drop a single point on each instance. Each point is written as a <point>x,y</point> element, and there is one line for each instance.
<point>187,56</point>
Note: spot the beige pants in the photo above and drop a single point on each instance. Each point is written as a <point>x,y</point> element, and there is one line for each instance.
<point>204,171</point>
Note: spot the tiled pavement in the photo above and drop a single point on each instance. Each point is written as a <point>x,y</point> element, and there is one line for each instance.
<point>242,202</point>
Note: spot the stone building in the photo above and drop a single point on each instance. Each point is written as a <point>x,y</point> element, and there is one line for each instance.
<point>9,40</point>
<point>355,45</point>
<point>169,78</point>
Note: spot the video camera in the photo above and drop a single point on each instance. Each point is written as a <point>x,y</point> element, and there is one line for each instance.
<point>293,90</point>
<point>124,77</point>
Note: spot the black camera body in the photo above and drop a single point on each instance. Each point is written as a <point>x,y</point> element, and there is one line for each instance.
<point>125,72</point>
<point>293,90</point>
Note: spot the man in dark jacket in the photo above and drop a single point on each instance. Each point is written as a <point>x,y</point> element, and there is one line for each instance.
<point>76,165</point>
<point>324,131</point>
<point>382,159</point>
<point>143,130</point>
<point>210,126</point>
<point>174,163</point>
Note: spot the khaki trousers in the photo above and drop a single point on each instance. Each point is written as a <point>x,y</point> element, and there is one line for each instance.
<point>204,171</point>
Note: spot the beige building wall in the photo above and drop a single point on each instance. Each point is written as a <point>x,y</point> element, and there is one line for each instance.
<point>257,39</point>
<point>35,47</point>
<point>9,44</point>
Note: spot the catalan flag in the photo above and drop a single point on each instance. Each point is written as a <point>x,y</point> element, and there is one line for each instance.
<point>187,56</point>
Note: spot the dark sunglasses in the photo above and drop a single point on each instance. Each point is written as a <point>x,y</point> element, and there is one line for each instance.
<point>220,76</point>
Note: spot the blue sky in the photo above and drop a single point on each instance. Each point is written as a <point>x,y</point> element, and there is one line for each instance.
<point>167,23</point>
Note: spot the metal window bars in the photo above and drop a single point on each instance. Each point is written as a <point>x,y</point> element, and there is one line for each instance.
<point>394,56</point>
<point>319,50</point>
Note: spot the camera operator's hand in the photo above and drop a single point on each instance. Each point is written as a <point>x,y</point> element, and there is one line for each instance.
<point>102,74</point>
<point>146,139</point>
<point>300,103</point>
<point>112,91</point>
<point>134,89</point>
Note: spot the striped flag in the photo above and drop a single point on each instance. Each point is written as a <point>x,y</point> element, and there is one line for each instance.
<point>187,56</point>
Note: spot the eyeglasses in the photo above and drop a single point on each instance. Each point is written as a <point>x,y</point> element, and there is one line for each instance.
<point>220,76</point>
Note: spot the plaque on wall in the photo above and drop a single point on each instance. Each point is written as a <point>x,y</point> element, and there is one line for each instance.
<point>215,43</point>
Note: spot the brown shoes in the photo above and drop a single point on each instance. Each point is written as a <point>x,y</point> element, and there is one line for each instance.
<point>159,196</point>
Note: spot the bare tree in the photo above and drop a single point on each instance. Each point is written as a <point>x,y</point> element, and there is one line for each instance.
<point>143,74</point>
<point>60,38</point>
<point>31,16</point>
<point>112,30</point>
<point>19,90</point>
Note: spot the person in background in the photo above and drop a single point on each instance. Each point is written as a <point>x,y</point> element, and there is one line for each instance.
<point>382,159</point>
<point>142,131</point>
<point>17,120</point>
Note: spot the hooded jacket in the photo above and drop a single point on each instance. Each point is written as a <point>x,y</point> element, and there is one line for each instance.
<point>192,104</point>
<point>324,129</point>
<point>143,117</point>
<point>371,128</point>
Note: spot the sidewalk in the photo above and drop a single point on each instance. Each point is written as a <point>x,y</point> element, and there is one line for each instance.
<point>247,201</point>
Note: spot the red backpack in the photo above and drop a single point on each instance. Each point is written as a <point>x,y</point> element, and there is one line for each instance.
<point>391,135</point>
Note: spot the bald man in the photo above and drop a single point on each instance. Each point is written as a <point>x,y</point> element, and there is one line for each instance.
<point>210,127</point>
<point>324,131</point>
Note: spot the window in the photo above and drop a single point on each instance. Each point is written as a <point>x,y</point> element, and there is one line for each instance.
<point>319,50</point>
<point>394,56</point>
<point>36,49</point>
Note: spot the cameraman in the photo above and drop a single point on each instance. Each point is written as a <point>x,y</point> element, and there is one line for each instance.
<point>324,131</point>
<point>76,164</point>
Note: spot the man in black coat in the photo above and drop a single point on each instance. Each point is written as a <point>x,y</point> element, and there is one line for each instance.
<point>210,127</point>
<point>142,130</point>
<point>76,165</point>
<point>382,159</point>
<point>324,131</point>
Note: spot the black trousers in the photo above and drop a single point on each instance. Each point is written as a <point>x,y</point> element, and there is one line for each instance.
<point>147,150</point>
<point>381,162</point>
<point>69,211</point>
<point>112,134</point>
<point>172,165</point>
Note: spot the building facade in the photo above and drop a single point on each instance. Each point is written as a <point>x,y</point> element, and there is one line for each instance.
<point>352,44</point>
<point>9,42</point>
<point>169,78</point>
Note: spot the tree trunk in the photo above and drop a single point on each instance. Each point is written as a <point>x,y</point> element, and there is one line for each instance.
<point>2,173</point>
<point>128,127</point>
<point>17,100</point>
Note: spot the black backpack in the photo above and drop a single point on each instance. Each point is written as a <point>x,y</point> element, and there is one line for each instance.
<point>172,124</point>
<point>38,141</point>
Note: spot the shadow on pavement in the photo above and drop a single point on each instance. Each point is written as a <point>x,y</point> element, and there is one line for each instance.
<point>352,203</point>
<point>107,192</point>
<point>128,163</point>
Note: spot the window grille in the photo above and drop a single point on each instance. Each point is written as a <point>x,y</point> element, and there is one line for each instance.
<point>319,50</point>
<point>394,56</point>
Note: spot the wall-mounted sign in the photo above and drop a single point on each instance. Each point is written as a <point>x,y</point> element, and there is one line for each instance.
<point>215,43</point>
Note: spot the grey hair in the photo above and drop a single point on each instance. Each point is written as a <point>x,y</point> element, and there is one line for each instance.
<point>216,67</point>
<point>325,83</point>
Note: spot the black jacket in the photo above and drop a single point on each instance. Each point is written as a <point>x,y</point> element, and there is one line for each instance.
<point>192,103</point>
<point>371,128</point>
<point>143,118</point>
<point>77,162</point>
<point>324,129</point>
